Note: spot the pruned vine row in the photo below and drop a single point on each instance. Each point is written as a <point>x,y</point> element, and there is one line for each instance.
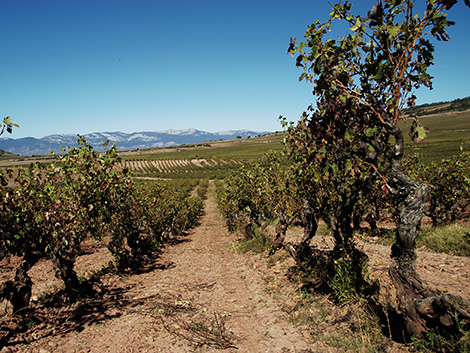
<point>173,166</point>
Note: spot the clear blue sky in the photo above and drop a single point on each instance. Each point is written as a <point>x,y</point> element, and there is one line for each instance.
<point>82,66</point>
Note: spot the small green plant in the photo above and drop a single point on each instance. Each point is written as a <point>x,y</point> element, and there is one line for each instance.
<point>81,277</point>
<point>349,284</point>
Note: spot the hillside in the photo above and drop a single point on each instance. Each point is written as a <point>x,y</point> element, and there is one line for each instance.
<point>6,155</point>
<point>457,105</point>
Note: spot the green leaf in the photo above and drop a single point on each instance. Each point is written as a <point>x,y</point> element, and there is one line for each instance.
<point>380,74</point>
<point>393,30</point>
<point>418,132</point>
<point>356,26</point>
<point>370,131</point>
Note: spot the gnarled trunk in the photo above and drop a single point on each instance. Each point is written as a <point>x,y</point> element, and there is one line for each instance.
<point>280,230</point>
<point>64,262</point>
<point>417,303</point>
<point>18,291</point>
<point>310,229</point>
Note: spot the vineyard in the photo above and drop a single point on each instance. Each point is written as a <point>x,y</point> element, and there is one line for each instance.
<point>211,160</point>
<point>51,210</point>
<point>182,168</point>
<point>51,213</point>
<point>349,231</point>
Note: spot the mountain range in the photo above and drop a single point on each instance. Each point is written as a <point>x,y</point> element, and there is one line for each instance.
<point>30,146</point>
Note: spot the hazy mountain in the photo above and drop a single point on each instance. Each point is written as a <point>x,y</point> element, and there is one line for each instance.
<point>30,146</point>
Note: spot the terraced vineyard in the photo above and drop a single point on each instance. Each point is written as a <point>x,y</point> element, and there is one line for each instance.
<point>182,167</point>
<point>209,160</point>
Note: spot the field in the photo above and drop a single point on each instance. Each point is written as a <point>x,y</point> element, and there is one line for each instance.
<point>206,160</point>
<point>205,289</point>
<point>215,159</point>
<point>447,132</point>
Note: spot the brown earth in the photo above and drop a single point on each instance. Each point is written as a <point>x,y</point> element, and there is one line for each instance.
<point>201,295</point>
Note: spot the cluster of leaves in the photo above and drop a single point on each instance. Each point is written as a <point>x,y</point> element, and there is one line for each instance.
<point>380,62</point>
<point>7,125</point>
<point>49,210</point>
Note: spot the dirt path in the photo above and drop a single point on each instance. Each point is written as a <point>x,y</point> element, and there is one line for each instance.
<point>198,288</point>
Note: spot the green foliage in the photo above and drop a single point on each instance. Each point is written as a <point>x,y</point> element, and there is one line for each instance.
<point>203,188</point>
<point>348,283</point>
<point>53,209</point>
<point>383,58</point>
<point>450,185</point>
<point>255,196</point>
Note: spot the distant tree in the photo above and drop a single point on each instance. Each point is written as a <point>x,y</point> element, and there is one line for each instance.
<point>351,141</point>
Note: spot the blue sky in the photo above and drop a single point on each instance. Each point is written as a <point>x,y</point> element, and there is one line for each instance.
<point>82,66</point>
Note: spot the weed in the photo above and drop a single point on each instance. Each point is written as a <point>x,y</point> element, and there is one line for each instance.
<point>348,284</point>
<point>81,277</point>
<point>32,323</point>
<point>260,242</point>
<point>271,261</point>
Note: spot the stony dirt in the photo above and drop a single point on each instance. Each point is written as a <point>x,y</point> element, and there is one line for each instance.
<point>201,295</point>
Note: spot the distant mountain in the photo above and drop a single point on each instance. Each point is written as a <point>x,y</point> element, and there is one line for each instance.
<point>30,146</point>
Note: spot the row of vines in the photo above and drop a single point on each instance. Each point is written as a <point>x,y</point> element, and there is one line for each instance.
<point>256,196</point>
<point>182,168</point>
<point>47,211</point>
